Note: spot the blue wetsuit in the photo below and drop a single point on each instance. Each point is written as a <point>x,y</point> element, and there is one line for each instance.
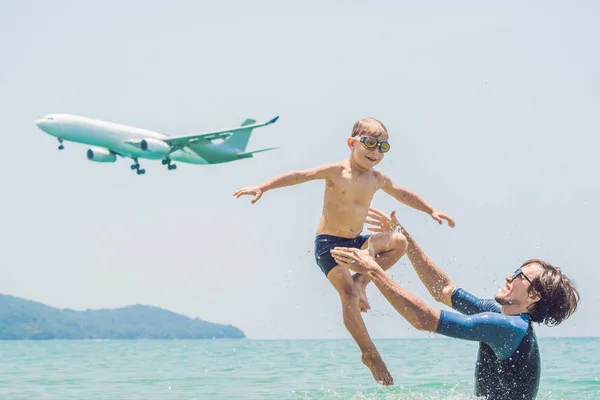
<point>508,363</point>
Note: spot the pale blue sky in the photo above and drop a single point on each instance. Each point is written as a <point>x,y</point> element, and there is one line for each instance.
<point>492,113</point>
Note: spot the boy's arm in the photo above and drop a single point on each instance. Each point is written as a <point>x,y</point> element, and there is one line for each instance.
<point>413,200</point>
<point>288,179</point>
<point>297,177</point>
<point>405,196</point>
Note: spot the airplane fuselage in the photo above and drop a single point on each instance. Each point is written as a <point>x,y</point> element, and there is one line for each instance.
<point>108,140</point>
<point>124,140</point>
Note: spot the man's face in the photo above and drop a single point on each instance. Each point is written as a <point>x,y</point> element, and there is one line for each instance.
<point>516,291</point>
<point>365,157</point>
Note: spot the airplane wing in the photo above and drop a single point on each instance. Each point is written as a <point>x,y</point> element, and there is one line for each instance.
<point>223,134</point>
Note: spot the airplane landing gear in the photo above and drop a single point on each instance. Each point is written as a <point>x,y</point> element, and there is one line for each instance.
<point>137,168</point>
<point>167,162</point>
<point>60,146</point>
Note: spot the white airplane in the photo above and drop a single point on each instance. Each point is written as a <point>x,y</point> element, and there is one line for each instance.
<point>109,140</point>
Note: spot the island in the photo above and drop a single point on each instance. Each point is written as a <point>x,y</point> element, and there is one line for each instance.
<point>22,319</point>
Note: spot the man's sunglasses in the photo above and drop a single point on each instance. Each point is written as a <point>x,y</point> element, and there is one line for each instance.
<point>520,272</point>
<point>370,143</point>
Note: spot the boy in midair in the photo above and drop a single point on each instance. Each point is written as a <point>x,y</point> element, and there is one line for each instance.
<point>349,190</point>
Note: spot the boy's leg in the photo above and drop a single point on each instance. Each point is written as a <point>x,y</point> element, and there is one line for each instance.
<point>341,279</point>
<point>386,249</point>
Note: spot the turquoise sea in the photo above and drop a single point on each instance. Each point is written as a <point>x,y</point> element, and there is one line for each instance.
<point>272,369</point>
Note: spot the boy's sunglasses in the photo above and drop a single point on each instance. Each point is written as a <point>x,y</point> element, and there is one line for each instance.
<point>370,143</point>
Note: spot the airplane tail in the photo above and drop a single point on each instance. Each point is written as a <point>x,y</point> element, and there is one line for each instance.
<point>239,139</point>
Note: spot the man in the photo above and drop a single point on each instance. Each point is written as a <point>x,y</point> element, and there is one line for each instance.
<point>508,364</point>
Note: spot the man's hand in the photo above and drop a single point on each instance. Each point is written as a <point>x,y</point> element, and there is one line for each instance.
<point>439,216</point>
<point>385,223</point>
<point>381,222</point>
<point>256,191</point>
<point>354,259</point>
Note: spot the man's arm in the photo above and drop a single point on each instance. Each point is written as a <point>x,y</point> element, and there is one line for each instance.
<point>437,282</point>
<point>503,333</point>
<point>412,308</point>
<point>441,287</point>
<point>288,179</point>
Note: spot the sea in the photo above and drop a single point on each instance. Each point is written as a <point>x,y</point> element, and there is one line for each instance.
<point>423,369</point>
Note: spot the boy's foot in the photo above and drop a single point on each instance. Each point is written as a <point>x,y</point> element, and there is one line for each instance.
<point>363,303</point>
<point>378,368</point>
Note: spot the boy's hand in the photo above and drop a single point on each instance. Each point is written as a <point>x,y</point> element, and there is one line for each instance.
<point>254,190</point>
<point>438,216</point>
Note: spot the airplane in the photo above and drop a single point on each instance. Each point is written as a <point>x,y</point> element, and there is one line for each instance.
<point>108,140</point>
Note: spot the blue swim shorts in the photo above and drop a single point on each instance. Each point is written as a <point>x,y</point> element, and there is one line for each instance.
<point>324,243</point>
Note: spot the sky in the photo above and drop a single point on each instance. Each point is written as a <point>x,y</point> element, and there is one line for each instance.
<point>491,109</point>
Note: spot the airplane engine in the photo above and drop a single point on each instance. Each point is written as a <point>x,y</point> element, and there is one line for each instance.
<point>100,154</point>
<point>155,146</point>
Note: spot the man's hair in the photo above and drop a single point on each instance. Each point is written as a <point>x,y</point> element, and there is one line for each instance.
<point>558,295</point>
<point>368,127</point>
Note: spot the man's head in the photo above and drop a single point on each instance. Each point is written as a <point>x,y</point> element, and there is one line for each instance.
<point>542,290</point>
<point>366,142</point>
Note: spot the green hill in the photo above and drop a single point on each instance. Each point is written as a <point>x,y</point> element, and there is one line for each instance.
<point>25,319</point>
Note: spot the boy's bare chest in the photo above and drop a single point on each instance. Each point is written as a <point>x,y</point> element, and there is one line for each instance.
<point>355,189</point>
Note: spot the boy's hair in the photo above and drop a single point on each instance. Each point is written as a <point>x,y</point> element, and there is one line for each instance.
<point>558,295</point>
<point>368,127</point>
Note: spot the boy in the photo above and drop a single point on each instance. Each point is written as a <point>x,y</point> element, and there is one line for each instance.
<point>350,187</point>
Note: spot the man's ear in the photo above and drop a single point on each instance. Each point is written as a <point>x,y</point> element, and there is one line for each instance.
<point>534,296</point>
<point>350,142</point>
